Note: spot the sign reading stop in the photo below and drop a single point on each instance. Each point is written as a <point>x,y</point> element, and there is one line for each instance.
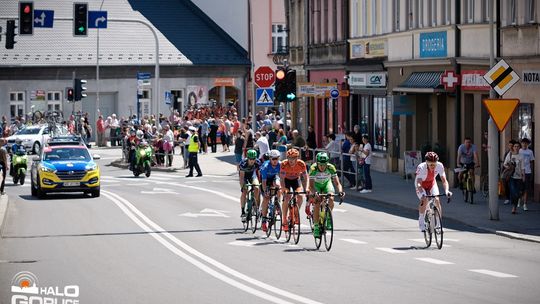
<point>264,77</point>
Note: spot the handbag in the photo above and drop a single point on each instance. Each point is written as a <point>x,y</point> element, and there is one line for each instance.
<point>508,172</point>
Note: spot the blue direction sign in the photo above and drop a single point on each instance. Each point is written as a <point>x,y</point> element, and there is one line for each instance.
<point>141,75</point>
<point>334,93</point>
<point>43,18</point>
<point>168,97</point>
<point>97,19</point>
<point>265,97</point>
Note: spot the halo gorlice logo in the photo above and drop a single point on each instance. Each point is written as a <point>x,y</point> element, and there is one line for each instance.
<point>25,290</point>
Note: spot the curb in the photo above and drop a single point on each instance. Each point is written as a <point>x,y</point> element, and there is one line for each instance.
<point>4,200</point>
<point>508,234</point>
<point>120,164</point>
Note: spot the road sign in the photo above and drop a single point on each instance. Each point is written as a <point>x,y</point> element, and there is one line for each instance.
<point>97,19</point>
<point>43,18</point>
<point>143,75</point>
<point>264,77</point>
<point>501,77</point>
<point>334,93</point>
<point>168,97</point>
<point>450,80</point>
<point>265,97</point>
<point>501,110</point>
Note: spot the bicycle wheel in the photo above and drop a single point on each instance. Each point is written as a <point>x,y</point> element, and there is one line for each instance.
<point>290,224</point>
<point>318,240</point>
<point>248,215</point>
<point>270,219</point>
<point>277,220</point>
<point>328,228</point>
<point>255,216</point>
<point>470,189</point>
<point>484,186</point>
<point>295,229</point>
<point>427,231</point>
<point>438,227</point>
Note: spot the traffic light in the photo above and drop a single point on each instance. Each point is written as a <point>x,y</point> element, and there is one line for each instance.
<point>26,18</point>
<point>79,89</point>
<point>80,19</point>
<point>290,85</point>
<point>70,94</point>
<point>280,85</point>
<point>10,34</point>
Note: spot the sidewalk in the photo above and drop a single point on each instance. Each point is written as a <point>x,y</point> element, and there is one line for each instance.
<point>392,190</point>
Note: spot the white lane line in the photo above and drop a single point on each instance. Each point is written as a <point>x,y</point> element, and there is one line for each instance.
<point>424,241</point>
<point>160,178</point>
<point>493,273</point>
<point>124,205</point>
<point>434,261</point>
<point>339,210</point>
<point>451,240</point>
<point>138,184</point>
<point>196,182</point>
<point>243,243</point>
<point>353,241</point>
<point>389,250</point>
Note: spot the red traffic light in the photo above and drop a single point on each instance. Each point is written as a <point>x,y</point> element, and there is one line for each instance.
<point>26,9</point>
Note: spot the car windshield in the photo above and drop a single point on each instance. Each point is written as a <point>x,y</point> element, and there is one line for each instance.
<point>28,131</point>
<point>67,153</point>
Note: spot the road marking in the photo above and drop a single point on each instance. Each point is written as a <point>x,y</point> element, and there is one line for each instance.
<point>206,213</point>
<point>339,210</point>
<point>434,261</point>
<point>494,273</point>
<point>451,240</point>
<point>138,184</point>
<point>160,178</point>
<point>423,241</point>
<point>353,241</point>
<point>131,211</point>
<point>195,182</point>
<point>243,243</point>
<point>390,250</point>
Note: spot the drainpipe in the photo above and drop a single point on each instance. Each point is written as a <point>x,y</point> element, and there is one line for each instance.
<point>457,138</point>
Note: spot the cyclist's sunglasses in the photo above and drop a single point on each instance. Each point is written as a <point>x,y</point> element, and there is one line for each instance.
<point>277,158</point>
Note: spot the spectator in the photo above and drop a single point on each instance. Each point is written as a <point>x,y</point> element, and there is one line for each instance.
<point>168,145</point>
<point>100,126</point>
<point>281,144</point>
<point>514,163</point>
<point>334,149</point>
<point>115,130</point>
<point>213,135</point>
<point>3,164</point>
<point>366,150</point>
<point>239,145</point>
<point>528,158</point>
<point>349,148</point>
<point>203,130</point>
<point>261,145</point>
<point>506,182</point>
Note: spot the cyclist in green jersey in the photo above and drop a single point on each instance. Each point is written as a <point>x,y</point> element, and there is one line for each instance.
<point>321,176</point>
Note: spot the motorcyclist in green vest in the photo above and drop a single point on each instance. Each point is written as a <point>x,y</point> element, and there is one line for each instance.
<point>193,149</point>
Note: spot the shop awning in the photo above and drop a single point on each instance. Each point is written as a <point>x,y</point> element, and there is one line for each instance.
<point>422,82</point>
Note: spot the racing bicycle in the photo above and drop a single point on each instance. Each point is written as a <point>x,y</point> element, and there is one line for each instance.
<point>433,221</point>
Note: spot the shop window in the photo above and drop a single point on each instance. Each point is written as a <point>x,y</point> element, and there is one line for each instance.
<point>379,123</point>
<point>523,122</point>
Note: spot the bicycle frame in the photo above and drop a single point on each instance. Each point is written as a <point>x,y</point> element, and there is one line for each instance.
<point>433,221</point>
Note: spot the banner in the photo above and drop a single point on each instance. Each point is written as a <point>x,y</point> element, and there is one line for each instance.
<point>412,160</point>
<point>196,95</point>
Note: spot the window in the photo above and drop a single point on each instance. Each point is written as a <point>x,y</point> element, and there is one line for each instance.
<point>325,32</point>
<point>379,123</point>
<point>363,13</point>
<point>512,10</point>
<point>433,12</point>
<point>485,10</point>
<point>421,13</point>
<point>412,18</point>
<point>469,11</point>
<point>16,105</point>
<point>334,21</point>
<point>384,15</point>
<point>396,15</point>
<point>373,17</point>
<point>446,8</point>
<point>531,11</point>
<point>54,101</point>
<point>279,38</point>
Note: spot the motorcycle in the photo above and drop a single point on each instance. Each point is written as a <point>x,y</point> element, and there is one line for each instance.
<point>143,159</point>
<point>20,160</point>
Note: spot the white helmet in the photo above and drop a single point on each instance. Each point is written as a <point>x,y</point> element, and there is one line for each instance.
<point>274,153</point>
<point>140,134</point>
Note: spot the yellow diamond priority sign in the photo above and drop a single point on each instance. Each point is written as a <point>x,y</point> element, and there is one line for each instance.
<point>501,77</point>
<point>501,110</point>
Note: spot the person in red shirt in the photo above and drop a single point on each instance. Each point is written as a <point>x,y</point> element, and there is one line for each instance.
<point>100,126</point>
<point>426,184</point>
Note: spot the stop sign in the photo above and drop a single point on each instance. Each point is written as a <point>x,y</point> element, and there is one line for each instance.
<point>264,77</point>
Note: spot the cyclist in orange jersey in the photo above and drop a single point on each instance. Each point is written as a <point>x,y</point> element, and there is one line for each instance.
<point>292,171</point>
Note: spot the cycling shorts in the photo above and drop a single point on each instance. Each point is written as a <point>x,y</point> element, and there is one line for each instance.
<point>433,191</point>
<point>293,184</point>
<point>251,179</point>
<point>271,180</point>
<point>468,166</point>
<point>325,188</point>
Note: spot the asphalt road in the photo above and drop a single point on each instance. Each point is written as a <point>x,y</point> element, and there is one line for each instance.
<point>171,239</point>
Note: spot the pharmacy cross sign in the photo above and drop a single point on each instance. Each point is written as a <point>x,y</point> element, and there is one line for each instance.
<point>450,80</point>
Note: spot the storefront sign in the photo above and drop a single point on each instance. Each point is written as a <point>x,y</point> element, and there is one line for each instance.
<point>368,48</point>
<point>531,77</point>
<point>474,80</point>
<point>433,44</point>
<point>312,89</point>
<point>37,95</point>
<point>372,80</point>
<point>224,82</point>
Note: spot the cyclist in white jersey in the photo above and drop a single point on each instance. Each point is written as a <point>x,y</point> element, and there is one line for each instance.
<point>426,184</point>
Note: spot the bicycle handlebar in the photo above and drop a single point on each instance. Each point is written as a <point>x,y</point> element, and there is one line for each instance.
<point>327,195</point>
<point>439,195</point>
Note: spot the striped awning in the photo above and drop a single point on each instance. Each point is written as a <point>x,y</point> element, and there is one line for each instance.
<point>422,82</point>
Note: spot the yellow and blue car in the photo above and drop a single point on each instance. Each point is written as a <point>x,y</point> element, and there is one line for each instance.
<point>65,168</point>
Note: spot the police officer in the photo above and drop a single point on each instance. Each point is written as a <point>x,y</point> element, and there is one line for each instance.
<point>193,149</point>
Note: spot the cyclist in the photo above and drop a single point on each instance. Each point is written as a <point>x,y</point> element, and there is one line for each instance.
<point>291,171</point>
<point>321,176</point>
<point>467,157</point>
<point>426,184</point>
<point>248,168</point>
<point>270,178</point>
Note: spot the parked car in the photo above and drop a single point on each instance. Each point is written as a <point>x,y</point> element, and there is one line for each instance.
<point>65,168</point>
<point>33,138</point>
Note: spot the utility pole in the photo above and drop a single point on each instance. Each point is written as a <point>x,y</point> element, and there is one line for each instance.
<point>493,133</point>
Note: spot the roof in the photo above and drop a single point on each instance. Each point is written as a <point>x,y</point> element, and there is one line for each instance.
<point>193,32</point>
<point>422,82</point>
<point>186,36</point>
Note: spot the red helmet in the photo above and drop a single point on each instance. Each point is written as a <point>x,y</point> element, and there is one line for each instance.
<point>432,157</point>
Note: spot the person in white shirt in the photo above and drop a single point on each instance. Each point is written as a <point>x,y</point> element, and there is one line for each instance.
<point>366,150</point>
<point>528,159</point>
<point>334,148</point>
<point>261,144</point>
<point>426,184</point>
<point>514,162</point>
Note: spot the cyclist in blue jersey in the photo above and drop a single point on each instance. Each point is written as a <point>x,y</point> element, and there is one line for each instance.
<point>270,178</point>
<point>248,168</point>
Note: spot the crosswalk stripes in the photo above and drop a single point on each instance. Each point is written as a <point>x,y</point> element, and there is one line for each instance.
<point>434,261</point>
<point>493,273</point>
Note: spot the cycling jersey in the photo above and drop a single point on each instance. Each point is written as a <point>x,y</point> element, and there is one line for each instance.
<point>268,171</point>
<point>247,169</point>
<point>289,172</point>
<point>323,179</point>
<point>428,176</point>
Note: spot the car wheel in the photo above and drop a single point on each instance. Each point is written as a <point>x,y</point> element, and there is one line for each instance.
<point>95,193</point>
<point>36,147</point>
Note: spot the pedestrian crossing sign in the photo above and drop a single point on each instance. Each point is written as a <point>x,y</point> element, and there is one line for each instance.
<point>265,97</point>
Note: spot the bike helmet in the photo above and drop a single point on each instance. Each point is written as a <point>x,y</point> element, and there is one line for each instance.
<point>251,154</point>
<point>140,134</point>
<point>322,158</point>
<point>274,153</point>
<point>432,157</point>
<point>292,153</point>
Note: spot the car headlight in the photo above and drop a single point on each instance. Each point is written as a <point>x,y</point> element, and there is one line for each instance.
<point>91,167</point>
<point>47,169</point>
